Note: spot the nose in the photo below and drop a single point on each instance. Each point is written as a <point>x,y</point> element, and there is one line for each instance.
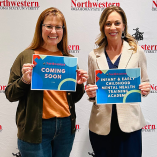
<point>112,26</point>
<point>53,30</point>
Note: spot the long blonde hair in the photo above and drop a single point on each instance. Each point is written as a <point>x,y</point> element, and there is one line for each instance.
<point>38,40</point>
<point>102,40</point>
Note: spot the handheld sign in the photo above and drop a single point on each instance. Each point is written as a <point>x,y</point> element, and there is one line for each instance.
<point>118,86</point>
<point>54,73</point>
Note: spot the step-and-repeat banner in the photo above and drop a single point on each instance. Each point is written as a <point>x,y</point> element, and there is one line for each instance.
<point>17,25</point>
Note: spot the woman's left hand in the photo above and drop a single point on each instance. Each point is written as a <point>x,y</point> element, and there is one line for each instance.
<point>145,88</point>
<point>81,76</point>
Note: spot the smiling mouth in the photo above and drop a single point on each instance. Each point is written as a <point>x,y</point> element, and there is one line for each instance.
<point>52,37</point>
<point>113,33</point>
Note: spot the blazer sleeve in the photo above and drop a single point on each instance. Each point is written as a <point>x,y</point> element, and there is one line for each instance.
<point>91,69</point>
<point>91,72</point>
<point>143,65</point>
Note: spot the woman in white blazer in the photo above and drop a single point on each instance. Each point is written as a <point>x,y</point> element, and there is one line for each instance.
<point>115,129</point>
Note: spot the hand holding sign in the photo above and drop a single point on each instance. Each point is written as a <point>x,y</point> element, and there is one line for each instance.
<point>91,90</point>
<point>81,76</point>
<point>145,88</point>
<point>27,72</point>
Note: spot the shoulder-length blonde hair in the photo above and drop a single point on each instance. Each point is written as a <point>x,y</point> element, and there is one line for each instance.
<point>38,40</point>
<point>102,40</point>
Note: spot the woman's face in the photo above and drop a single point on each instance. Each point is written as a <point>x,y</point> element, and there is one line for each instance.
<point>52,35</point>
<point>114,27</point>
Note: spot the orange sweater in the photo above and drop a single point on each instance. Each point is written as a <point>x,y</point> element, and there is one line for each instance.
<point>54,102</point>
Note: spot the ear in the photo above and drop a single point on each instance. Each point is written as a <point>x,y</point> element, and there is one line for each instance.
<point>123,27</point>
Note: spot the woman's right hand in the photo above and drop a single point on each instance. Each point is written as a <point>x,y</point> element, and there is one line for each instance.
<point>91,90</point>
<point>27,72</point>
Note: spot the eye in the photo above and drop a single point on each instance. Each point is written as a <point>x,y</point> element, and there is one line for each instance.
<point>49,27</point>
<point>58,27</point>
<point>117,23</point>
<point>108,24</point>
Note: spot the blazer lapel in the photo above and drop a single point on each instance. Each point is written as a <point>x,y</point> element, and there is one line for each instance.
<point>101,59</point>
<point>125,56</point>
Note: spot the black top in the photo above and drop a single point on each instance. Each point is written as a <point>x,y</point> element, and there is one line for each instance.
<point>113,66</point>
<point>110,64</point>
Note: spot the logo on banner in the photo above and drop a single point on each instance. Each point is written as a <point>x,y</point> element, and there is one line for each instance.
<point>77,127</point>
<point>138,35</point>
<point>74,48</point>
<point>149,128</point>
<point>153,89</point>
<point>147,48</point>
<point>91,5</point>
<point>154,5</point>
<point>2,88</point>
<point>92,154</point>
<point>19,5</point>
<point>1,128</point>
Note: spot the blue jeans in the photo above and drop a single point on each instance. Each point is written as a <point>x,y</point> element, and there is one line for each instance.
<point>57,140</point>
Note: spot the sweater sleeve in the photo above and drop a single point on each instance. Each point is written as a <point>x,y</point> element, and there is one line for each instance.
<point>16,88</point>
<point>79,92</point>
<point>76,96</point>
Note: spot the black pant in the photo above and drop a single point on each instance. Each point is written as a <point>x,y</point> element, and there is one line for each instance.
<point>116,143</point>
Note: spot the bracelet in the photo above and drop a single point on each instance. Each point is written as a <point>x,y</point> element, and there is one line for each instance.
<point>25,81</point>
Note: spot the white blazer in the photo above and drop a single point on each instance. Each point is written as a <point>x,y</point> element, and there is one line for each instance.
<point>130,117</point>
